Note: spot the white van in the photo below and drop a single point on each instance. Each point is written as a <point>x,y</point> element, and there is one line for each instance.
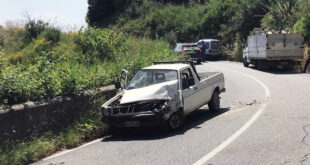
<point>213,48</point>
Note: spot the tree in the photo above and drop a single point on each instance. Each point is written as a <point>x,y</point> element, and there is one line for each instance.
<point>1,37</point>
<point>104,12</point>
<point>303,23</point>
<point>101,13</point>
<point>227,18</point>
<point>34,28</point>
<point>282,15</point>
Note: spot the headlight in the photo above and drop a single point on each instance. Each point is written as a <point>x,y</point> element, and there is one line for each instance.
<point>105,112</point>
<point>160,107</point>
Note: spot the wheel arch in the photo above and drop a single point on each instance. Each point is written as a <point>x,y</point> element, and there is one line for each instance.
<point>217,88</point>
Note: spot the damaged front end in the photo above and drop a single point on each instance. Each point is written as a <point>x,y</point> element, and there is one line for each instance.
<point>149,112</point>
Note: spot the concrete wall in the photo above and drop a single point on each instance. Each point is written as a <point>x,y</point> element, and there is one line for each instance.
<point>38,117</point>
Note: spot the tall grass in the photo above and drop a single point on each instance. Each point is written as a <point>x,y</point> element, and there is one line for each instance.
<point>85,60</point>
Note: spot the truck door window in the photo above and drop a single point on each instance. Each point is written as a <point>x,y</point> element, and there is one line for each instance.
<point>214,45</point>
<point>187,78</point>
<point>207,45</point>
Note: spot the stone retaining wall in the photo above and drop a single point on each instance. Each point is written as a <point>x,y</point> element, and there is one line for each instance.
<point>37,117</point>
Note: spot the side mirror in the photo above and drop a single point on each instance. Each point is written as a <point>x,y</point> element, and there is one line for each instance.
<point>123,79</point>
<point>117,85</point>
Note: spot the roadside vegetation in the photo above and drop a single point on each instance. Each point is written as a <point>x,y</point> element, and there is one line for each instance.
<point>39,62</point>
<point>189,20</point>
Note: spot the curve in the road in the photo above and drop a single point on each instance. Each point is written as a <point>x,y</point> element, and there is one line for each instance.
<point>211,154</point>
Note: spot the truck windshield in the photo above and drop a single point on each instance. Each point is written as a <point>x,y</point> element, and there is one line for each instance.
<point>147,77</point>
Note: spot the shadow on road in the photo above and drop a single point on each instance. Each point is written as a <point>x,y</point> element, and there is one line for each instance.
<point>192,121</point>
<point>279,71</point>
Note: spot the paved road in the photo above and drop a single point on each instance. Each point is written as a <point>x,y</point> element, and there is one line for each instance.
<point>251,128</point>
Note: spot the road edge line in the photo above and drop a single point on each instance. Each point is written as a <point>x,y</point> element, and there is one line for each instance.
<point>232,138</point>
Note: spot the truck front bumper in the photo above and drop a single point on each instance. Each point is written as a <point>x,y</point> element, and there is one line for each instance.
<point>134,120</point>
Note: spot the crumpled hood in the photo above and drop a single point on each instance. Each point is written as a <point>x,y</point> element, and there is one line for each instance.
<point>163,91</point>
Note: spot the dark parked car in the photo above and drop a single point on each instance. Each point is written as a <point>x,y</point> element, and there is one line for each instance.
<point>190,49</point>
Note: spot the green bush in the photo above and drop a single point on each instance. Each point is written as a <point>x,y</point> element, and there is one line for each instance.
<point>51,34</point>
<point>102,44</point>
<point>172,23</point>
<point>32,52</point>
<point>13,39</point>
<point>34,28</point>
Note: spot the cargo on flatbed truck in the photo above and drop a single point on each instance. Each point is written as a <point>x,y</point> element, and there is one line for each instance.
<point>265,49</point>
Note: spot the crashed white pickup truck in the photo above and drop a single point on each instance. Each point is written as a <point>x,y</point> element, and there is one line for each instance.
<point>163,93</point>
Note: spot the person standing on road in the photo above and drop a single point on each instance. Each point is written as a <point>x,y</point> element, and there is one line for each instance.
<point>203,50</point>
<point>307,62</point>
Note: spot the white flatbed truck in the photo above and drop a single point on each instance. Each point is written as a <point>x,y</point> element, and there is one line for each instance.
<point>272,50</point>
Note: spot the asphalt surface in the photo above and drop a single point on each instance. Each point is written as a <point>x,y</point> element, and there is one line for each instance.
<point>279,131</point>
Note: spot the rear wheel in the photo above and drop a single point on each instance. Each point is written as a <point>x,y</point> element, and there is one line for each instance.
<point>199,61</point>
<point>245,62</point>
<point>214,103</point>
<point>175,121</point>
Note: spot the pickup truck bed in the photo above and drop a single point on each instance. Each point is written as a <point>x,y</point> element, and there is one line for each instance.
<point>205,75</point>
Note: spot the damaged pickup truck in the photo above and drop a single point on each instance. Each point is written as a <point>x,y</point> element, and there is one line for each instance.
<point>163,93</point>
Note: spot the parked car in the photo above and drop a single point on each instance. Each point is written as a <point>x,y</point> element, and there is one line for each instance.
<point>179,48</point>
<point>190,49</point>
<point>163,93</point>
<point>266,49</point>
<point>213,48</point>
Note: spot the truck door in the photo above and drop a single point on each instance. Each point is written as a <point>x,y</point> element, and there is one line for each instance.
<point>189,91</point>
<point>261,46</point>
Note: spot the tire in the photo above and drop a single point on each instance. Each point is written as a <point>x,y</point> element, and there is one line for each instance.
<point>175,122</point>
<point>245,63</point>
<point>214,103</point>
<point>199,61</point>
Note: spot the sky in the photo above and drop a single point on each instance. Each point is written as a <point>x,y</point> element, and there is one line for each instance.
<point>65,14</point>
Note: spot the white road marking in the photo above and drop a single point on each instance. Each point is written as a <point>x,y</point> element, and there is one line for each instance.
<point>218,149</point>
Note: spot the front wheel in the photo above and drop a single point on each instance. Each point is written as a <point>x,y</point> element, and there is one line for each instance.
<point>214,103</point>
<point>175,121</point>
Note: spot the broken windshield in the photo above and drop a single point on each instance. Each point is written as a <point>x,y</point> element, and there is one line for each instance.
<point>147,77</point>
